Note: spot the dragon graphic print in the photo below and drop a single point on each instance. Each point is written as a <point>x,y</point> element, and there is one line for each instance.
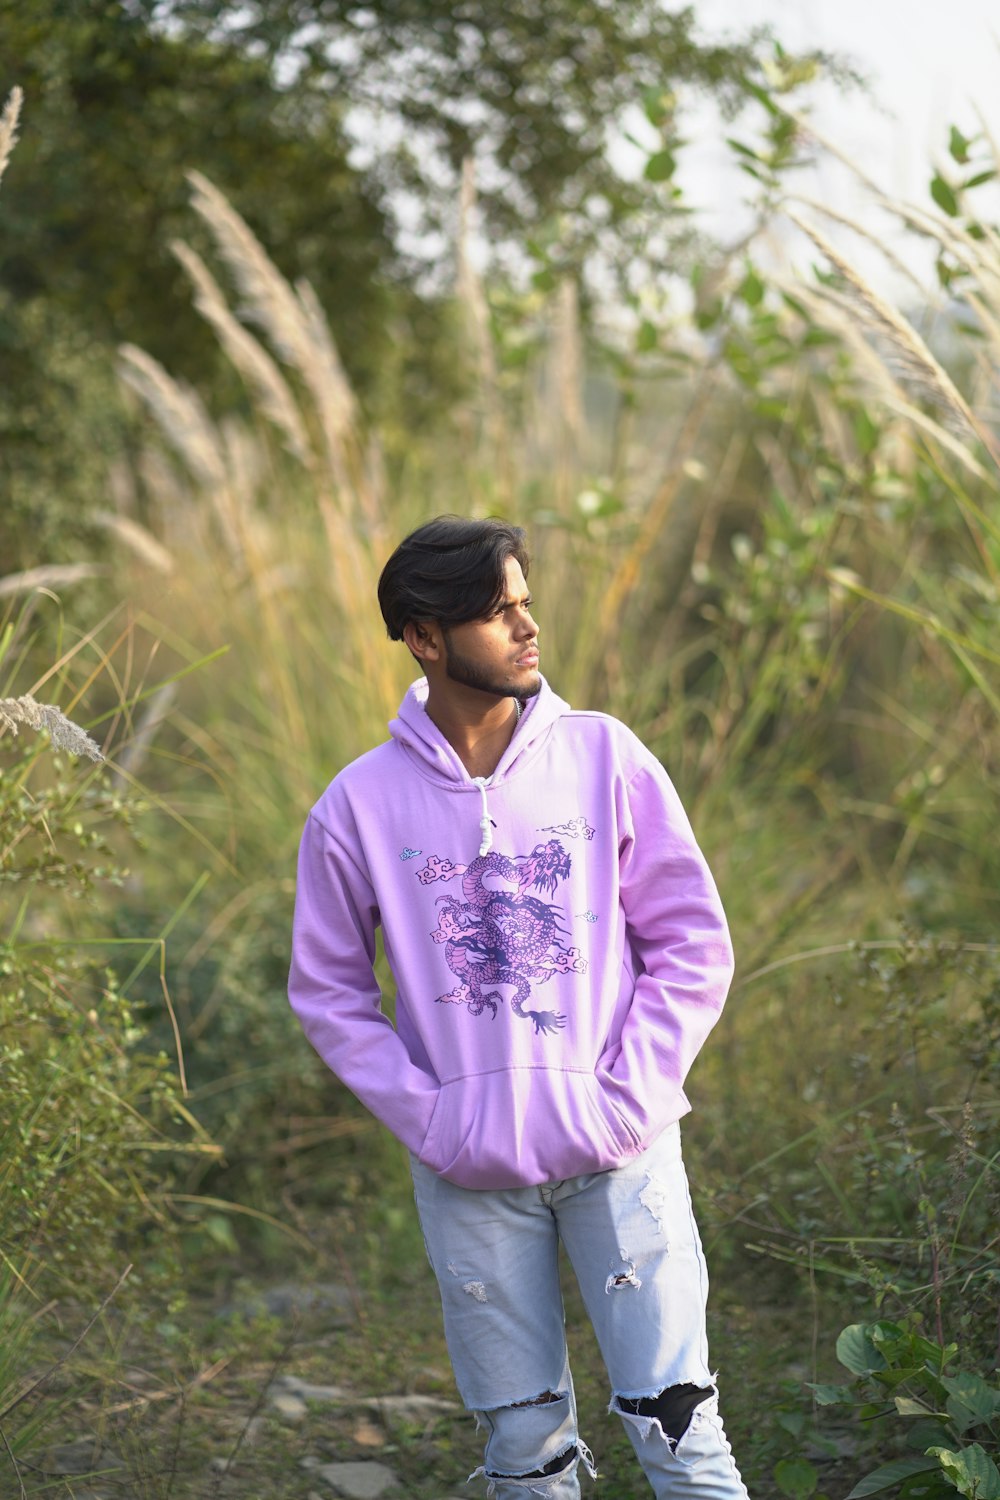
<point>499,934</point>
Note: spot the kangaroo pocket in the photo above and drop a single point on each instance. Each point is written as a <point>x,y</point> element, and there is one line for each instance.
<point>520,1126</point>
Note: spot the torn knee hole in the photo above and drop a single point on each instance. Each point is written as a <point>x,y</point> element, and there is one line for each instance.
<point>554,1465</point>
<point>545,1399</point>
<point>673,1408</point>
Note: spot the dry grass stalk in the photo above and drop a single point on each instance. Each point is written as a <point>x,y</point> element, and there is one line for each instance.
<point>8,126</point>
<point>265,381</point>
<point>906,353</point>
<point>288,320</point>
<point>566,374</point>
<point>131,757</point>
<point>64,734</point>
<point>839,314</point>
<point>48,576</point>
<point>179,413</point>
<point>626,575</point>
<point>809,128</point>
<point>232,463</point>
<point>476,315</point>
<point>898,265</point>
<point>138,539</point>
<point>325,375</point>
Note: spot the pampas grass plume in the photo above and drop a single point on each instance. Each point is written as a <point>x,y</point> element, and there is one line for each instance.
<point>8,126</point>
<point>64,734</point>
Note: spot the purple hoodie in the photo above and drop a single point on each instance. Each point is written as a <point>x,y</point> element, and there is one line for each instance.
<point>557,941</point>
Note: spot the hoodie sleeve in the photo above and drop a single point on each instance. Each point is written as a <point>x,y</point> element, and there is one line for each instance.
<point>334,992</point>
<point>678,933</point>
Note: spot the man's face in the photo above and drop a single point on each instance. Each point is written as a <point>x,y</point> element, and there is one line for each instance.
<point>499,654</point>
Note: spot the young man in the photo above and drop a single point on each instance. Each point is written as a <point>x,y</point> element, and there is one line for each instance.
<point>560,955</point>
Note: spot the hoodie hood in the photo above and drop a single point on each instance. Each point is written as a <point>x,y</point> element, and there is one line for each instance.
<point>423,741</point>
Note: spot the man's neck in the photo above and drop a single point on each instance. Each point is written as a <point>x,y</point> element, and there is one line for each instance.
<point>479,733</point>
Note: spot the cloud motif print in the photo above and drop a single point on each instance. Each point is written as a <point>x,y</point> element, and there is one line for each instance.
<point>499,934</point>
<point>576,828</point>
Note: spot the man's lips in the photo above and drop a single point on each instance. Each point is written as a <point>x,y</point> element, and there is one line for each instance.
<point>529,659</point>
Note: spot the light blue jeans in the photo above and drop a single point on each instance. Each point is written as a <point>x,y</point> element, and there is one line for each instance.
<point>632,1240</point>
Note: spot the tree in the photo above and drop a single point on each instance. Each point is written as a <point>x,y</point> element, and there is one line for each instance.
<point>533,89</point>
<point>116,111</point>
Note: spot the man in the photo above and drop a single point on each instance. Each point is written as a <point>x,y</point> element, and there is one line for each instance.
<point>560,955</point>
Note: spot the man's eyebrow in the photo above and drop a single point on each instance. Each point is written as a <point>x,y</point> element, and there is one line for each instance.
<point>508,603</point>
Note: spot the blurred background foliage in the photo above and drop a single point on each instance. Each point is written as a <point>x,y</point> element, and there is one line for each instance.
<point>240,356</point>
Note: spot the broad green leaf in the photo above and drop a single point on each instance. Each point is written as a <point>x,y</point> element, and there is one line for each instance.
<point>927,1433</point>
<point>796,1478</point>
<point>857,1352</point>
<point>944,196</point>
<point>889,1475</point>
<point>970,1399</point>
<point>647,336</point>
<point>958,145</point>
<point>971,1471</point>
<point>660,166</point>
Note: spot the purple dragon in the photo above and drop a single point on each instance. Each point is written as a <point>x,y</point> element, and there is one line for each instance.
<point>499,935</point>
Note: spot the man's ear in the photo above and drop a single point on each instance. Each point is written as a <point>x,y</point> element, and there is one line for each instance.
<point>423,639</point>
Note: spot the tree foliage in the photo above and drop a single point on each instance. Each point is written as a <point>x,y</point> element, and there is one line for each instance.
<point>534,90</point>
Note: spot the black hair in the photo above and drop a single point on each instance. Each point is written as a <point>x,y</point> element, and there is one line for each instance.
<point>451,571</point>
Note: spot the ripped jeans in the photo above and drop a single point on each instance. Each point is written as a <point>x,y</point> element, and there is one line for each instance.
<point>633,1243</point>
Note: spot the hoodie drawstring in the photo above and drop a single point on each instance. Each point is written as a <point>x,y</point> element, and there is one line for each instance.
<point>485,822</point>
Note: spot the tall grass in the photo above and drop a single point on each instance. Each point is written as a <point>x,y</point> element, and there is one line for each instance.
<point>723,594</point>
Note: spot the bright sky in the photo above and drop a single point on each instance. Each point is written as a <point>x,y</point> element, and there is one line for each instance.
<point>929,64</point>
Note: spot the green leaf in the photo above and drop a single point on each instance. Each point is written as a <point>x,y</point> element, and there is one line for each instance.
<point>796,1478</point>
<point>944,196</point>
<point>971,1471</point>
<point>958,145</point>
<point>889,1475</point>
<point>658,104</point>
<point>979,179</point>
<point>927,1433</point>
<point>744,150</point>
<point>907,1407</point>
<point>762,96</point>
<point>830,1395</point>
<point>857,1352</point>
<point>970,1400</point>
<point>660,167</point>
<point>752,289</point>
<point>646,338</point>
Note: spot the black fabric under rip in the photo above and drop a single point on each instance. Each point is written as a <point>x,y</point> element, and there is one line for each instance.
<point>554,1465</point>
<point>672,1408</point>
